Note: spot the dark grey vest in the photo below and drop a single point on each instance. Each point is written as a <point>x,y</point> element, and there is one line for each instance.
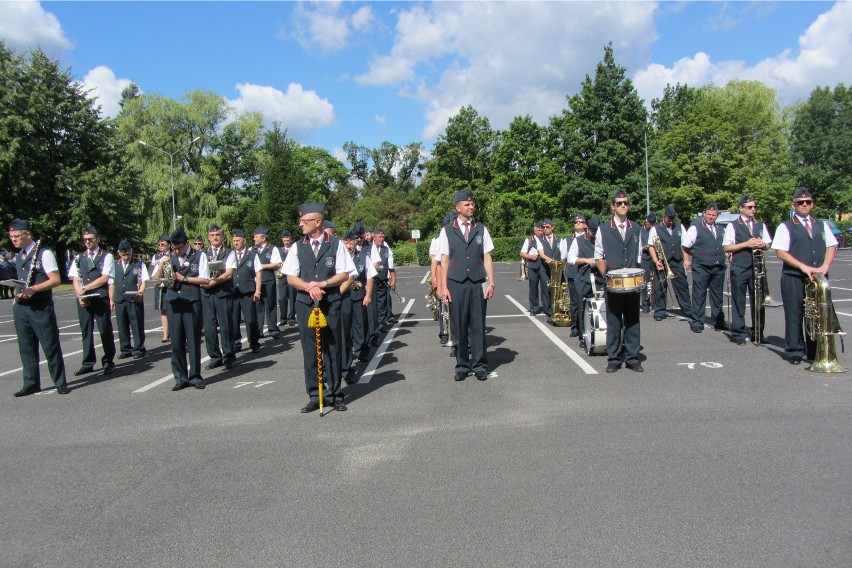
<point>90,270</point>
<point>185,292</point>
<point>382,270</point>
<point>551,251</point>
<point>671,242</point>
<point>532,264</point>
<point>743,258</point>
<point>360,259</point>
<point>318,268</point>
<point>586,249</point>
<point>467,260</point>
<point>644,233</point>
<point>226,288</point>
<point>620,253</point>
<point>707,250</point>
<point>126,281</point>
<point>24,265</point>
<point>244,274</point>
<point>266,275</point>
<point>809,250</point>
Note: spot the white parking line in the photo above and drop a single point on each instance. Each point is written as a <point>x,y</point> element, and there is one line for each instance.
<point>377,358</point>
<point>425,276</point>
<point>573,355</point>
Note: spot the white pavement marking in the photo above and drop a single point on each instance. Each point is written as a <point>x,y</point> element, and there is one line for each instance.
<point>486,317</point>
<point>839,288</point>
<point>158,382</point>
<point>842,314</point>
<point>573,355</point>
<point>425,276</point>
<point>377,358</point>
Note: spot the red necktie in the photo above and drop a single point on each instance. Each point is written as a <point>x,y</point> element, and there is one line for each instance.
<point>466,232</point>
<point>808,227</point>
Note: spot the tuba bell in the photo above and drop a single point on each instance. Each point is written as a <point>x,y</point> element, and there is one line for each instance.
<point>821,325</point>
<point>560,296</point>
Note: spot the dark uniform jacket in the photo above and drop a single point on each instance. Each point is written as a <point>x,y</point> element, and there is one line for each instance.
<point>226,288</point>
<point>90,270</point>
<point>707,250</point>
<point>244,274</point>
<point>803,248</point>
<point>182,292</point>
<point>321,267</point>
<point>126,280</point>
<point>466,259</point>
<point>743,258</point>
<point>620,253</point>
<point>25,264</point>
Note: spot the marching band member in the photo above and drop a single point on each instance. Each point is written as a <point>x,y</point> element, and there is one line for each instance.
<point>538,285</point>
<point>644,233</point>
<point>617,245</point>
<point>357,293</point>
<point>670,233</point>
<point>184,300</point>
<point>364,319</point>
<point>435,271</point>
<point>217,301</point>
<point>163,244</point>
<point>32,309</point>
<point>572,271</point>
<point>130,276</point>
<point>467,283</point>
<point>247,287</point>
<point>703,241</point>
<point>806,246</point>
<point>743,236</point>
<point>381,256</point>
<point>549,251</point>
<point>286,295</point>
<point>92,273</point>
<point>316,268</point>
<point>270,262</point>
<point>581,254</point>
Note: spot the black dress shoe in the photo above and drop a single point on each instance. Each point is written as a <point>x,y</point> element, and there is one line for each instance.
<point>238,347</point>
<point>230,365</point>
<point>276,335</point>
<point>165,340</point>
<point>376,341</point>
<point>659,318</point>
<point>310,407</point>
<point>180,386</point>
<point>793,361</point>
<point>575,333</point>
<point>741,341</point>
<point>481,376</point>
<point>63,389</point>
<point>696,329</point>
<point>199,385</point>
<point>292,323</point>
<point>27,391</point>
<point>139,355</point>
<point>255,349</point>
<point>125,356</point>
<point>461,375</point>
<point>108,369</point>
<point>612,367</point>
<point>444,339</point>
<point>213,365</point>
<point>83,371</point>
<point>340,406</point>
<point>635,367</point>
<point>720,326</point>
<point>349,378</point>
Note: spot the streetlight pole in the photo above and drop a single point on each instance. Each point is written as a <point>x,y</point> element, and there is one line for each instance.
<point>172,170</point>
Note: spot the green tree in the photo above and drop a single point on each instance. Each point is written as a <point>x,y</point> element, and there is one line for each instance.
<point>821,145</point>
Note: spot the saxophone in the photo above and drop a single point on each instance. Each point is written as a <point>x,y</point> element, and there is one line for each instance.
<point>432,301</point>
<point>759,266</point>
<point>560,296</point>
<point>821,325</point>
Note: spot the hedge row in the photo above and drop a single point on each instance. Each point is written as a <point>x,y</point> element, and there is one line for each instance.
<point>505,250</point>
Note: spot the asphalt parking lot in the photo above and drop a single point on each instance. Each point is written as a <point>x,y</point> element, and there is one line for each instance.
<point>716,455</point>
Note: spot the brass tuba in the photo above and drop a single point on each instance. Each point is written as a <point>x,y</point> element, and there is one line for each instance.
<point>821,325</point>
<point>758,260</point>
<point>560,296</point>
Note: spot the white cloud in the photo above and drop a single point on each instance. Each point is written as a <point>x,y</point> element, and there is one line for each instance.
<point>825,50</point>
<point>298,110</point>
<point>25,25</point>
<point>106,88</point>
<point>506,58</point>
<point>380,119</point>
<point>326,25</point>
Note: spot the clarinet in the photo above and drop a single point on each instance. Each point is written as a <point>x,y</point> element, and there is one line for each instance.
<point>30,274</point>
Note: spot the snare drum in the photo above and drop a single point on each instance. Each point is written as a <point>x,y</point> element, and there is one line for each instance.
<point>594,325</point>
<point>625,280</point>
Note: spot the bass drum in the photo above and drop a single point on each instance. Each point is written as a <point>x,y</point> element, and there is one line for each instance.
<point>594,325</point>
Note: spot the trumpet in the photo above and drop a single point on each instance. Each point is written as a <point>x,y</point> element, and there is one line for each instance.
<point>759,266</point>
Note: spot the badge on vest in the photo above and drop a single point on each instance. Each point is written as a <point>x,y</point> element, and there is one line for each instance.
<point>37,265</point>
<point>134,272</point>
<point>194,268</point>
<point>329,262</point>
<point>360,268</point>
<point>478,239</point>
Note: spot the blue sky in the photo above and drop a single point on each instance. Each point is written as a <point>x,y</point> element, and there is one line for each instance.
<point>332,72</point>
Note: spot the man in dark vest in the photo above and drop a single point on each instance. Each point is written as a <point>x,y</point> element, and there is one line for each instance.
<point>361,296</point>
<point>644,232</point>
<point>806,246</point>
<point>270,262</point>
<point>581,254</point>
<point>670,233</point>
<point>35,319</point>
<point>467,282</point>
<point>320,265</point>
<point>617,245</point>
<point>163,249</point>
<point>572,271</point>
<point>286,295</point>
<point>742,237</point>
<point>539,293</point>
<point>127,298</point>
<point>92,273</point>
<point>217,300</point>
<point>5,274</point>
<point>247,286</point>
<point>549,251</point>
<point>703,250</point>
<point>382,258</point>
<point>184,309</point>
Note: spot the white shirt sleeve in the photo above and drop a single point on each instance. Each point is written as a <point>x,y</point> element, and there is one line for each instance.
<point>443,245</point>
<point>563,247</point>
<point>767,238</point>
<point>599,250</point>
<point>371,270</point>
<point>203,267</point>
<point>231,261</point>
<point>390,259</point>
<point>830,239</point>
<point>291,263</point>
<point>343,261</point>
<point>48,262</point>
<point>652,235</point>
<point>258,265</point>
<point>145,275</point>
<point>690,237</point>
<point>433,247</point>
<point>275,257</point>
<point>487,243</point>
<point>730,236</point>
<point>573,253</point>
<point>782,238</point>
<point>109,268</point>
<point>72,270</point>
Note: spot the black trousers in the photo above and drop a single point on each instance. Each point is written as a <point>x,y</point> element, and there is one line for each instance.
<point>218,338</point>
<point>36,325</point>
<point>185,332</point>
<point>330,351</point>
<point>363,327</point>
<point>130,320</point>
<point>679,284</point>
<point>97,312</point>
<point>707,279</point>
<point>793,296</point>
<point>622,328</point>
<point>244,310</point>
<point>576,303</point>
<point>266,307</point>
<point>539,292</point>
<point>286,301</point>
<point>582,290</point>
<point>345,335</point>
<point>742,287</point>
<point>381,291</point>
<point>467,317</point>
